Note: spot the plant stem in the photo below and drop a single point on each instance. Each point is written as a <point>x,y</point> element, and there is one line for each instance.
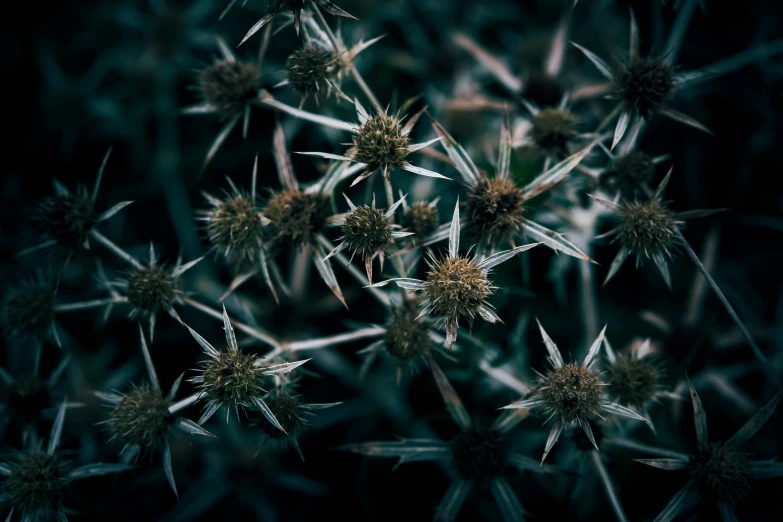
<point>608,486</point>
<point>256,333</point>
<point>116,250</point>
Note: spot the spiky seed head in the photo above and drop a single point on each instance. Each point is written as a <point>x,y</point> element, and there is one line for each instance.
<point>230,86</point>
<point>295,216</point>
<point>585,444</point>
<point>29,397</point>
<point>495,208</point>
<point>231,378</point>
<point>142,418</point>
<point>380,143</point>
<point>647,228</point>
<point>479,454</point>
<point>367,231</point>
<point>633,382</point>
<point>406,337</point>
<point>543,90</point>
<point>421,218</point>
<point>553,130</point>
<point>234,227</point>
<point>628,173</point>
<point>644,84</point>
<point>28,311</point>
<point>287,410</point>
<point>151,290</point>
<point>456,288</point>
<point>722,473</point>
<point>37,483</point>
<point>66,218</point>
<point>572,392</point>
<point>310,69</point>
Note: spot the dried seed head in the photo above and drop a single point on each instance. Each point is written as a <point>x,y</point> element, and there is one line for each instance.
<point>722,473</point>
<point>29,397</point>
<point>310,69</point>
<point>629,172</point>
<point>633,382</point>
<point>644,84</point>
<point>585,444</point>
<point>553,130</point>
<point>28,311</point>
<point>456,288</point>
<point>142,418</point>
<point>234,228</point>
<point>421,218</point>
<point>479,454</point>
<point>66,218</point>
<point>151,290</point>
<point>543,90</point>
<point>494,209</point>
<point>380,143</point>
<point>407,338</point>
<point>295,216</point>
<point>287,410</point>
<point>647,228</point>
<point>572,393</point>
<point>37,483</point>
<point>367,231</point>
<point>231,378</point>
<point>230,86</point>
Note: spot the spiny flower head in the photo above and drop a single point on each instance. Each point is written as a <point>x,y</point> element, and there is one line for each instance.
<point>311,69</point>
<point>67,218</point>
<point>421,218</point>
<point>628,173</point>
<point>229,85</point>
<point>644,84</point>
<point>633,381</point>
<point>152,289</point>
<point>407,337</point>
<point>495,208</point>
<point>647,228</point>
<point>723,473</point>
<point>380,143</point>
<point>296,216</point>
<point>479,454</point>
<point>37,483</point>
<point>28,310</point>
<point>553,130</point>
<point>142,418</point>
<point>235,228</point>
<point>367,230</point>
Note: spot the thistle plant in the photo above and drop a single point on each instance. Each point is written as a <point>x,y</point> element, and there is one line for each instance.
<point>27,313</point>
<point>296,7</point>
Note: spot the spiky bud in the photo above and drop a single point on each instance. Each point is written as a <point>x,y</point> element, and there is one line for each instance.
<point>28,311</point>
<point>142,418</point>
<point>572,392</point>
<point>295,216</point>
<point>231,378</point>
<point>722,473</point>
<point>230,86</point>
<point>553,130</point>
<point>421,218</point>
<point>151,290</point>
<point>310,69</point>
<point>406,337</point>
<point>456,288</point>
<point>644,84</point>
<point>647,228</point>
<point>380,143</point>
<point>495,208</point>
<point>366,231</point>
<point>479,454</point>
<point>235,228</point>
<point>36,484</point>
<point>543,90</point>
<point>632,381</point>
<point>66,218</point>
<point>287,410</point>
<point>628,173</point>
<point>29,397</point>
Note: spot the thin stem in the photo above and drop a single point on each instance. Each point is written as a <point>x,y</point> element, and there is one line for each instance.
<point>588,300</point>
<point>119,252</point>
<point>644,448</point>
<point>184,403</point>
<point>608,486</point>
<point>365,88</point>
<point>262,336</point>
<point>300,273</point>
<point>323,342</point>
<point>86,305</point>
<point>269,101</point>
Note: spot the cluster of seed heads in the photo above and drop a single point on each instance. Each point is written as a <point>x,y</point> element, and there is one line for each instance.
<point>66,218</point>
<point>647,228</point>
<point>234,227</point>
<point>633,381</point>
<point>380,143</point>
<point>295,216</point>
<point>142,418</point>
<point>366,231</point>
<point>479,454</point>
<point>628,173</point>
<point>421,218</point>
<point>406,337</point>
<point>231,378</point>
<point>644,84</point>
<point>494,208</point>
<point>37,483</point>
<point>572,392</point>
<point>310,69</point>
<point>722,473</point>
<point>151,290</point>
<point>230,85</point>
<point>28,310</point>
<point>553,130</point>
<point>457,288</point>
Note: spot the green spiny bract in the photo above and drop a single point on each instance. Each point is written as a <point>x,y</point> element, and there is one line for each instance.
<point>295,216</point>
<point>628,173</point>
<point>28,397</point>
<point>582,442</point>
<point>66,218</point>
<point>406,337</point>
<point>632,381</point>
<point>37,483</point>
<point>644,84</point>
<point>231,378</point>
<point>142,418</point>
<point>647,228</point>
<point>456,288</point>
<point>151,290</point>
<point>366,231</point>
<point>230,86</point>
<point>288,411</point>
<point>494,208</point>
<point>553,130</point>
<point>28,311</point>
<point>722,473</point>
<point>234,228</point>
<point>310,69</point>
<point>380,143</point>
<point>543,90</point>
<point>572,392</point>
<point>421,218</point>
<point>479,454</point>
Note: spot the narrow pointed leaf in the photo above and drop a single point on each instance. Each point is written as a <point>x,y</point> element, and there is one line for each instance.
<point>667,464</point>
<point>554,435</point>
<point>684,118</point>
<point>501,257</point>
<point>601,65</point>
<point>422,171</point>
<point>457,154</point>
<point>506,500</point>
<point>454,232</point>
<point>453,403</point>
<point>756,422</point>
<point>556,174</point>
<point>98,469</point>
<point>592,353</point>
<point>699,419</point>
<point>554,354</point>
<point>452,501</point>
<point>686,498</point>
